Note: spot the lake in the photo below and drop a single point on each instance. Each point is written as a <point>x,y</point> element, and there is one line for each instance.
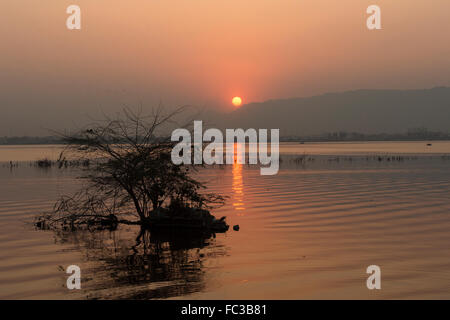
<point>309,232</point>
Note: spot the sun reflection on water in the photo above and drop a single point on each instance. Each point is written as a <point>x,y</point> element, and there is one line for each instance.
<point>238,184</point>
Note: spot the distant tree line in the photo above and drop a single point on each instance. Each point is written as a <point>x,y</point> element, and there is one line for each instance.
<point>30,140</point>
<point>415,134</point>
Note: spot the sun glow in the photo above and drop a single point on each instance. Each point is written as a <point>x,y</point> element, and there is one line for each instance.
<point>237,101</point>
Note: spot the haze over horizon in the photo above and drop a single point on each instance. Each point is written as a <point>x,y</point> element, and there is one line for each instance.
<point>204,53</point>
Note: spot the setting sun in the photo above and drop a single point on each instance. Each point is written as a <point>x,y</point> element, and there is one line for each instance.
<point>237,101</point>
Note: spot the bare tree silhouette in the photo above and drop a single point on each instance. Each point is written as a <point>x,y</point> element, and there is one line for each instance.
<point>132,174</point>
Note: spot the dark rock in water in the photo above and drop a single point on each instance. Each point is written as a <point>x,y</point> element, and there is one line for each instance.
<point>40,224</point>
<point>236,227</point>
<point>185,218</point>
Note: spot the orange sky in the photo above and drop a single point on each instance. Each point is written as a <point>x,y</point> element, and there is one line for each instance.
<point>204,52</point>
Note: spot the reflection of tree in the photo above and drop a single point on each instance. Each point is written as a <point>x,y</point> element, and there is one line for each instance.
<point>157,265</point>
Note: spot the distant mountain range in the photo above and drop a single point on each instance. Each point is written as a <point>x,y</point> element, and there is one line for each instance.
<point>352,115</point>
<point>362,111</point>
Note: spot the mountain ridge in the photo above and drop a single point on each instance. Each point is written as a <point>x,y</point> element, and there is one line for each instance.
<point>365,110</point>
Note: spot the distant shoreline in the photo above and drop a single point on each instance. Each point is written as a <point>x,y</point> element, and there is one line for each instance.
<point>362,140</point>
<point>415,134</point>
<point>293,140</point>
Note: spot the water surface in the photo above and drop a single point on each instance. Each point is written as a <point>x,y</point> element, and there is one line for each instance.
<point>309,232</point>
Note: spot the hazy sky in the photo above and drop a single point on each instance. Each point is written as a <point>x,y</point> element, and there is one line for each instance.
<point>204,52</point>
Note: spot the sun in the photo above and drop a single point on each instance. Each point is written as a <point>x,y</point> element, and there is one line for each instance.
<point>237,101</point>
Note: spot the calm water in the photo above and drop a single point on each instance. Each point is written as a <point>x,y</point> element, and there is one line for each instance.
<point>308,232</point>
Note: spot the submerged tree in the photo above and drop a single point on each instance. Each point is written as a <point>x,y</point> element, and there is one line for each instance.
<point>132,174</point>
